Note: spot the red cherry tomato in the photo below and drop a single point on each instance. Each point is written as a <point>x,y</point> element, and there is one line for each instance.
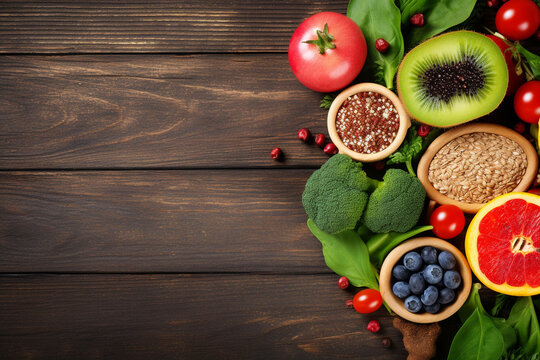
<point>367,301</point>
<point>527,102</point>
<point>327,51</point>
<point>448,221</point>
<point>518,19</point>
<point>514,80</point>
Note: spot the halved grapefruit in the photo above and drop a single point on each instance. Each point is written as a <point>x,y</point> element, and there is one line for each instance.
<point>503,244</point>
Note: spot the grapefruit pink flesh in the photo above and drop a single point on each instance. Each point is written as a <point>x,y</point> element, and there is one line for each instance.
<point>506,242</point>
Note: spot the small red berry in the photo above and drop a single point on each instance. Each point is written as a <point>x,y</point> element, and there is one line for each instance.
<point>349,303</point>
<point>374,326</point>
<point>386,342</point>
<point>320,140</point>
<point>424,130</point>
<point>304,134</point>
<point>520,127</point>
<point>276,153</point>
<point>492,3</point>
<point>330,149</point>
<point>381,45</point>
<point>537,35</point>
<point>343,282</point>
<point>417,20</point>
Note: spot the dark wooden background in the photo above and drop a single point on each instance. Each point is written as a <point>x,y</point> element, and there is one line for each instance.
<point>141,216</point>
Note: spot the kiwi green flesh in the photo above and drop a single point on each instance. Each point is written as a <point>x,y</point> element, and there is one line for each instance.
<point>474,79</point>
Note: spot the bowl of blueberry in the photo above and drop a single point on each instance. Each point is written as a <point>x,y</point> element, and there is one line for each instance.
<point>425,280</point>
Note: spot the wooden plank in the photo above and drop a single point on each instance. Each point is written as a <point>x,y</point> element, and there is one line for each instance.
<point>156,221</point>
<point>186,317</point>
<point>154,111</point>
<point>188,26</point>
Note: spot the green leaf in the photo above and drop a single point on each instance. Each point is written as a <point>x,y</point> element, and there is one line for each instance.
<point>411,146</point>
<point>439,16</point>
<point>346,254</point>
<point>473,302</point>
<point>532,59</point>
<point>478,338</point>
<point>523,319</point>
<point>379,245</point>
<point>379,19</point>
<point>327,100</point>
<point>501,302</point>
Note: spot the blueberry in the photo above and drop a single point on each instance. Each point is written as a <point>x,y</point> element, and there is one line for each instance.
<point>417,283</point>
<point>447,260</point>
<point>433,309</point>
<point>429,255</point>
<point>413,304</point>
<point>400,272</point>
<point>446,296</point>
<point>433,274</point>
<point>452,279</point>
<point>430,295</point>
<point>412,261</point>
<point>401,289</point>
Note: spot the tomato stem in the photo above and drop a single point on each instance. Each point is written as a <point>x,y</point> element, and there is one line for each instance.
<point>324,40</point>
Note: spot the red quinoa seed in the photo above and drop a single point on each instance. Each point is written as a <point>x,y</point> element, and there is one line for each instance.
<point>330,149</point>
<point>304,134</point>
<point>320,140</point>
<point>276,153</point>
<point>367,122</point>
<point>381,45</point>
<point>374,326</point>
<point>417,20</point>
<point>343,283</point>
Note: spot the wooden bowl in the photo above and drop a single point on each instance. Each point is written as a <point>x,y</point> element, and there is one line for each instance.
<point>472,208</point>
<point>404,122</point>
<point>396,304</point>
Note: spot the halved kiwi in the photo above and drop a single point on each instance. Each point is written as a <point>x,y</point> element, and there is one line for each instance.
<point>452,78</point>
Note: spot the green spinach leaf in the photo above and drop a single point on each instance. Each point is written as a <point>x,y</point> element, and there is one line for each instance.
<point>523,319</point>
<point>502,301</point>
<point>478,338</point>
<point>379,19</point>
<point>327,100</point>
<point>439,16</point>
<point>533,60</point>
<point>347,255</point>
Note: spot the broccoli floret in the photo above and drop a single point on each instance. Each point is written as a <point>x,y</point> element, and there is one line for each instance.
<point>336,195</point>
<point>396,203</point>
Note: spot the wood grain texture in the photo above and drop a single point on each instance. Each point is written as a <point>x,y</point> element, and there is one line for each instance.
<point>154,111</point>
<point>156,221</point>
<point>187,26</point>
<point>186,317</point>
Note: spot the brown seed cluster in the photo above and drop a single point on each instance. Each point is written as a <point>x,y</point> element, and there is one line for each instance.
<point>367,122</point>
<point>477,167</point>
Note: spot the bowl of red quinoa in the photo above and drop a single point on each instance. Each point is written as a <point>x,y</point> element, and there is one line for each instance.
<point>367,122</point>
<point>472,164</point>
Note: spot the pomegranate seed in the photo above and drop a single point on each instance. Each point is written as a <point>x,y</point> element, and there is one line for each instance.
<point>320,140</point>
<point>304,134</point>
<point>381,45</point>
<point>349,303</point>
<point>417,20</point>
<point>520,127</point>
<point>386,342</point>
<point>276,153</point>
<point>379,165</point>
<point>424,130</point>
<point>492,3</point>
<point>343,282</point>
<point>374,326</point>
<point>330,149</point>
